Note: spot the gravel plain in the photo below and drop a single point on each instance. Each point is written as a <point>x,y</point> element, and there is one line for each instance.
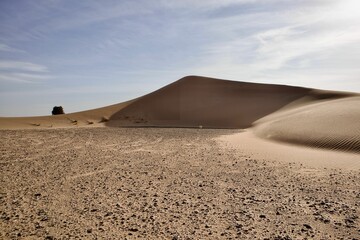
<point>153,183</point>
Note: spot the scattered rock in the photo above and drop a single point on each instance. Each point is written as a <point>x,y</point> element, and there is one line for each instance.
<point>307,226</point>
<point>104,119</point>
<point>108,214</point>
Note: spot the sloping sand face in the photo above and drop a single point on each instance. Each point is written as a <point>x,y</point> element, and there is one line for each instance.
<point>207,102</point>
<point>281,151</point>
<point>331,124</point>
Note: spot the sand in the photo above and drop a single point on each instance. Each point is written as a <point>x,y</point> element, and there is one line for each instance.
<point>311,157</point>
<point>90,118</point>
<point>201,158</point>
<point>331,124</point>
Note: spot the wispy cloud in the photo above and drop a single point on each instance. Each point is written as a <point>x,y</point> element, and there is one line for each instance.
<point>24,77</point>
<point>23,72</point>
<point>22,66</point>
<point>278,47</point>
<point>286,46</point>
<point>6,48</point>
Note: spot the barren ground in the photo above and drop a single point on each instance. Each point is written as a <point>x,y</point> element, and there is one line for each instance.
<point>113,183</point>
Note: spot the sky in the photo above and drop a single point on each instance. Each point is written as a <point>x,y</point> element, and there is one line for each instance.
<point>88,54</point>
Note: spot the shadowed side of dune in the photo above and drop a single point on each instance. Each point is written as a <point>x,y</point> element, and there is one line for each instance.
<point>212,103</point>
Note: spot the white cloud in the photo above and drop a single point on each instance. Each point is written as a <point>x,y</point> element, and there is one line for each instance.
<point>292,46</point>
<point>24,77</point>
<point>23,72</point>
<point>22,66</point>
<point>6,48</point>
<point>202,4</point>
<point>277,47</point>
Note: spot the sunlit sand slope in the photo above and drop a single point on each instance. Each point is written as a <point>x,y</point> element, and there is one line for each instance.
<point>331,124</point>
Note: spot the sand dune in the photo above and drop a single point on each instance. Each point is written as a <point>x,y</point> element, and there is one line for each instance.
<point>211,103</point>
<point>331,124</point>
<point>299,115</point>
<point>316,118</point>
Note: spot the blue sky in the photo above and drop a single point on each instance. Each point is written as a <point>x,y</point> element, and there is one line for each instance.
<point>88,54</point>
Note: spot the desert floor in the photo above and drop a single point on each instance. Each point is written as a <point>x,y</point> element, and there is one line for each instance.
<point>152,183</point>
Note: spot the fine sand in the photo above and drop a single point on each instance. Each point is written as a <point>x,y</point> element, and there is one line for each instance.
<point>201,158</point>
